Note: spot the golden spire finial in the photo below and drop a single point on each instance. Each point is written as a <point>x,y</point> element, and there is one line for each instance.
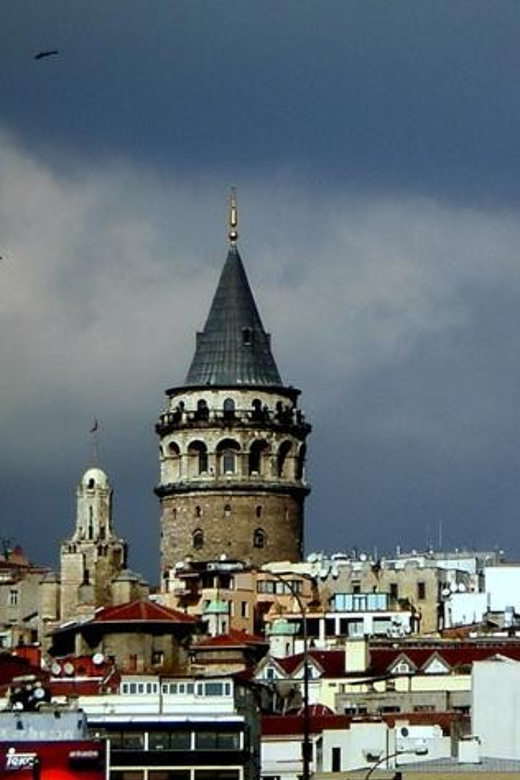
<point>233,217</point>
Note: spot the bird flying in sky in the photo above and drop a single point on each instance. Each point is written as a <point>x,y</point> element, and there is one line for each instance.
<point>42,54</point>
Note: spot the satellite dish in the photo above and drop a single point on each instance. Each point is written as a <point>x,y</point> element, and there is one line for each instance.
<point>39,694</point>
<point>312,558</point>
<point>462,588</point>
<point>446,591</point>
<point>98,659</point>
<point>362,557</point>
<point>68,668</point>
<point>56,669</point>
<point>453,587</point>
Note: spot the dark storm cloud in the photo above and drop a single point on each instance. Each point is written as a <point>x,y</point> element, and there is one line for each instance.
<point>375,150</point>
<point>398,318</point>
<point>415,94</point>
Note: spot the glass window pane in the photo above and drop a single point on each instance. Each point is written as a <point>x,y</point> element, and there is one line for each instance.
<point>169,774</point>
<point>206,740</point>
<point>214,689</point>
<point>180,740</point>
<point>158,740</point>
<point>230,741</point>
<point>133,740</point>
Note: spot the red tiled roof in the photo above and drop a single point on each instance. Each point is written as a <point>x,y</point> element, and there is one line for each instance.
<point>287,725</point>
<point>11,666</point>
<point>233,638</point>
<point>455,654</point>
<point>383,657</point>
<point>141,611</point>
<point>292,725</point>
<point>331,661</point>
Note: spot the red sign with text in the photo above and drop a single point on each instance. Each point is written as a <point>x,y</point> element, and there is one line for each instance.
<point>85,759</point>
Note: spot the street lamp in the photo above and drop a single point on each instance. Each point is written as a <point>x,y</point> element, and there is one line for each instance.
<point>420,751</point>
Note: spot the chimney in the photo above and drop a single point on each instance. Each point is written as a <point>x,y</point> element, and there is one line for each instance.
<point>357,654</point>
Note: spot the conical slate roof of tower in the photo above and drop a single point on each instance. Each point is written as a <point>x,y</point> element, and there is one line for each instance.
<point>233,349</point>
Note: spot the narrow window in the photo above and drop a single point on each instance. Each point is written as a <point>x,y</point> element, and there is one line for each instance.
<point>421,591</point>
<point>394,590</point>
<point>259,538</point>
<point>202,412</point>
<point>281,461</point>
<point>247,337</point>
<point>336,759</point>
<point>198,511</point>
<point>198,539</point>
<point>227,510</point>
<point>228,461</point>
<point>259,511</point>
<point>229,409</point>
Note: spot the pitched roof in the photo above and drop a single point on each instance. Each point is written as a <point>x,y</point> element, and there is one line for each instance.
<point>12,666</point>
<point>141,611</point>
<point>331,661</point>
<point>292,725</point>
<point>454,655</point>
<point>233,349</point>
<point>233,638</point>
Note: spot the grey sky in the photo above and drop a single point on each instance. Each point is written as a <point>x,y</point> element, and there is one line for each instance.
<point>374,146</point>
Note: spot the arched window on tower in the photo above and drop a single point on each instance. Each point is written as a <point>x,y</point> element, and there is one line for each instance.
<point>259,538</point>
<point>91,484</point>
<point>227,456</point>
<point>300,462</point>
<point>198,539</point>
<point>229,409</point>
<point>202,413</point>
<point>258,414</point>
<point>258,454</point>
<point>198,453</point>
<point>281,461</point>
<point>174,460</point>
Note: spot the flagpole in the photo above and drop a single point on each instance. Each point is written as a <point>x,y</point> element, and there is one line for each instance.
<point>94,431</point>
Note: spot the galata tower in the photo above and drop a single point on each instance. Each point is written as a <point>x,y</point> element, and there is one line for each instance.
<point>232,440</point>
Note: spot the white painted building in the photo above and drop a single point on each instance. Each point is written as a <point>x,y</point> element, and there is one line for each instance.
<point>496,707</point>
<point>503,587</point>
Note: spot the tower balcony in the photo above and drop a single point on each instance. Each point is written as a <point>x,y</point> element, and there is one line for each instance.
<point>287,420</point>
<point>233,484</point>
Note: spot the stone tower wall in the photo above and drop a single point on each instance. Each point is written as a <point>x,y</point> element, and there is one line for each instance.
<point>230,524</point>
<point>93,555</point>
<point>232,475</point>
